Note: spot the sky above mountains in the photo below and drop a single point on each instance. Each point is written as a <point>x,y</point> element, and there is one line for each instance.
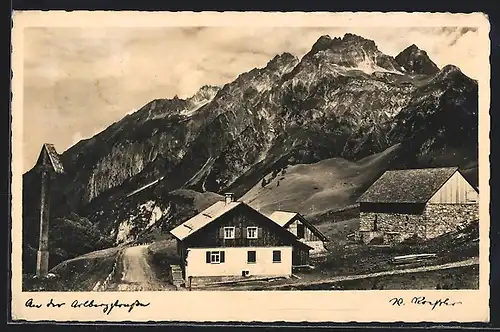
<point>78,81</point>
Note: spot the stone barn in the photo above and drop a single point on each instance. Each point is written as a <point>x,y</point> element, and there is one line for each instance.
<point>422,203</point>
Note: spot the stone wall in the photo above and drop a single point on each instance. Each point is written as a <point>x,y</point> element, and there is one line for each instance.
<point>444,218</point>
<point>436,220</point>
<point>407,225</point>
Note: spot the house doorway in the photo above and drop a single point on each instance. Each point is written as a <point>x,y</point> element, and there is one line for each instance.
<point>300,230</point>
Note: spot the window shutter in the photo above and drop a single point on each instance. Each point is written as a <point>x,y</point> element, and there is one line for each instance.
<point>208,256</point>
<point>237,232</point>
<point>259,232</point>
<point>221,233</point>
<point>222,256</point>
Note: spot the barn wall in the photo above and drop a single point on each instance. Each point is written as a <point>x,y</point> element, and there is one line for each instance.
<point>444,218</point>
<point>437,219</point>
<point>407,225</point>
<point>455,190</point>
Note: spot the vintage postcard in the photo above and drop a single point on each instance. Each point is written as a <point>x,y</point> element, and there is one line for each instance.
<point>250,167</point>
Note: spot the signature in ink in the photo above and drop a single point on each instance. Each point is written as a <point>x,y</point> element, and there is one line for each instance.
<point>422,300</point>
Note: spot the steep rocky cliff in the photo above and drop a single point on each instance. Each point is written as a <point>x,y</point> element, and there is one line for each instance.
<point>344,98</point>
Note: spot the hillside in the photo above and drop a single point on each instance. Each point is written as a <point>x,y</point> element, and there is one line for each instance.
<point>314,189</point>
<point>339,109</point>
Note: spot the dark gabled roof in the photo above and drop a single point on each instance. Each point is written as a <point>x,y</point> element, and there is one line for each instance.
<point>407,186</point>
<point>284,218</point>
<point>55,162</point>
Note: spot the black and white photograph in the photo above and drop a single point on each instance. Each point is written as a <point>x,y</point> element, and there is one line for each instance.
<point>251,158</point>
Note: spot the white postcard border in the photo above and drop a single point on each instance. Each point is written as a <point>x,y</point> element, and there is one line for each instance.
<point>287,306</point>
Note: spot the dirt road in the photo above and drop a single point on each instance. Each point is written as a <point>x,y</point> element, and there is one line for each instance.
<point>135,273</point>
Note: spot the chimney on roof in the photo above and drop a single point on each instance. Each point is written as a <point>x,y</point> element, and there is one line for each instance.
<point>229,197</point>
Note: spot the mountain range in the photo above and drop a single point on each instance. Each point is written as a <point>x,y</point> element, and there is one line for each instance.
<point>344,106</point>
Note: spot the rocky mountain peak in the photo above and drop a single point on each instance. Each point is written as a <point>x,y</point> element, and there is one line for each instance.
<point>282,60</point>
<point>206,92</point>
<point>450,69</point>
<point>352,38</point>
<point>416,61</point>
<point>412,48</point>
<point>348,41</point>
<point>351,51</point>
<point>324,42</point>
<point>451,73</point>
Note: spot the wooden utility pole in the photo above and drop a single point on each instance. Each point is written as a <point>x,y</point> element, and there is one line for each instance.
<point>48,165</point>
<point>42,261</point>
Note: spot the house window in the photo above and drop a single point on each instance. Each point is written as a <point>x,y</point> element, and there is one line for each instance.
<point>276,256</point>
<point>252,232</point>
<point>229,232</point>
<point>215,257</point>
<point>375,224</point>
<point>251,256</point>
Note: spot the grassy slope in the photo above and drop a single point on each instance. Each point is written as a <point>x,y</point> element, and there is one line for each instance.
<point>200,200</point>
<point>162,255</point>
<point>456,278</point>
<point>315,189</point>
<point>344,259</point>
<point>77,274</point>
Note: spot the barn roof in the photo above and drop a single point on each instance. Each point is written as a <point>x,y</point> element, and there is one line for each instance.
<point>407,186</point>
<point>283,218</point>
<point>55,162</point>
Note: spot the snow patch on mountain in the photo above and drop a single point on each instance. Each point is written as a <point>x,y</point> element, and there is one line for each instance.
<point>369,66</point>
<point>194,108</point>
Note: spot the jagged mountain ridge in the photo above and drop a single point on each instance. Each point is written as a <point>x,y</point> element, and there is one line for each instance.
<point>344,98</point>
<point>416,61</point>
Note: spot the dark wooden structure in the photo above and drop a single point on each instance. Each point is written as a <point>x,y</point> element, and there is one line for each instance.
<point>48,165</point>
